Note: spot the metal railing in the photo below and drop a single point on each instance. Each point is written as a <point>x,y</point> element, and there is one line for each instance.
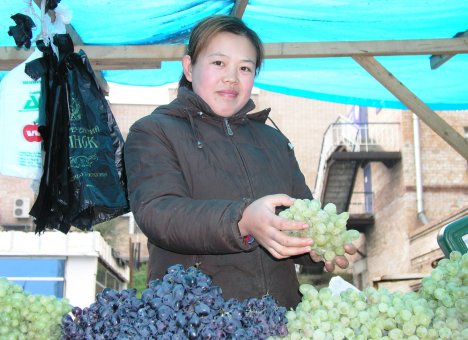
<point>355,137</point>
<point>366,136</point>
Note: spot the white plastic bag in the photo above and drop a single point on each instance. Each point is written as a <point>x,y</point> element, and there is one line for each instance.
<point>337,285</point>
<point>20,141</point>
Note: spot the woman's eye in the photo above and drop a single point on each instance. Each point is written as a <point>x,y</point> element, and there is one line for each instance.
<point>218,62</point>
<point>246,69</point>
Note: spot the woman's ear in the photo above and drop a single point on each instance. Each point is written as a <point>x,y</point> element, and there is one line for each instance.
<point>187,67</point>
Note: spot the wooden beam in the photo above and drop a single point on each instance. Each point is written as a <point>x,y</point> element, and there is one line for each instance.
<point>239,8</point>
<point>106,57</point>
<point>437,60</point>
<point>437,124</point>
<point>366,48</point>
<point>123,57</point>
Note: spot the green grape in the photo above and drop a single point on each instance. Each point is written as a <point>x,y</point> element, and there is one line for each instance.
<point>464,333</point>
<point>445,333</point>
<point>353,312</point>
<point>304,305</point>
<point>360,305</point>
<point>344,320</point>
<point>329,255</point>
<point>308,330</point>
<point>291,315</point>
<point>462,306</point>
<point>339,251</point>
<point>440,293</point>
<point>333,315</point>
<point>350,235</point>
<point>355,323</point>
<point>396,333</point>
<point>363,317</point>
<point>408,328</point>
<point>325,293</point>
<point>452,323</point>
<point>375,332</point>
<point>349,333</point>
<point>330,209</point>
<point>320,228</point>
<point>325,326</point>
<point>437,274</point>
<point>343,307</point>
<point>421,331</point>
<point>455,256</point>
<point>405,314</point>
<point>338,334</point>
<point>331,230</point>
<point>383,307</point>
<point>321,314</point>
<point>363,332</point>
<point>319,335</point>
<point>389,324</point>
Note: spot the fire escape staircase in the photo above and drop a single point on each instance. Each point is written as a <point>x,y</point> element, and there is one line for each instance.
<point>345,148</point>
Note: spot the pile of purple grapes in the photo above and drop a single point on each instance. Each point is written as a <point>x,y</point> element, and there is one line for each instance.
<point>183,305</point>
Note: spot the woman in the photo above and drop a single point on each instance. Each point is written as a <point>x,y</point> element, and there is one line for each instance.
<point>205,176</point>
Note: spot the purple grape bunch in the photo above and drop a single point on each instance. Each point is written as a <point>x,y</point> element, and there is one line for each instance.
<point>184,304</point>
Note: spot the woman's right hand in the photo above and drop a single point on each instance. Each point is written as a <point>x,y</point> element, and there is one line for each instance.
<point>260,221</point>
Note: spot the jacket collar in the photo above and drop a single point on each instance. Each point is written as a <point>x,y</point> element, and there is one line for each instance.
<point>188,102</point>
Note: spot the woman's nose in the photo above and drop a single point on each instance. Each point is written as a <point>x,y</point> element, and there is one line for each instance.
<point>231,75</point>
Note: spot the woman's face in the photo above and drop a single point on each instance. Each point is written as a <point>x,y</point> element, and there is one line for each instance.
<point>224,73</point>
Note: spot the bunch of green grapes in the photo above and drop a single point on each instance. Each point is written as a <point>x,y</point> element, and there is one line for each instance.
<point>29,316</point>
<point>437,311</point>
<point>326,227</point>
<point>446,290</point>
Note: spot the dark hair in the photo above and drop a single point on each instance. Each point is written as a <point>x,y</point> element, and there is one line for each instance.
<point>207,28</point>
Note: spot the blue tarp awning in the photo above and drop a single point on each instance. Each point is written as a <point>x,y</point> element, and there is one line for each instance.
<point>339,79</point>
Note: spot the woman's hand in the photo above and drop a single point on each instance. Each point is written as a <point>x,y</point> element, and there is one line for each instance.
<point>341,261</point>
<point>260,221</point>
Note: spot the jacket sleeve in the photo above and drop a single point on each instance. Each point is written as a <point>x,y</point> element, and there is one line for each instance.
<point>161,203</point>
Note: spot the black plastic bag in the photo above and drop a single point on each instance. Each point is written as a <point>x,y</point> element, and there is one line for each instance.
<point>95,149</point>
<point>22,32</point>
<point>83,181</point>
<point>51,208</point>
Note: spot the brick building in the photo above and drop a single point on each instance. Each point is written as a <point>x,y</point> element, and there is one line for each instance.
<point>398,241</point>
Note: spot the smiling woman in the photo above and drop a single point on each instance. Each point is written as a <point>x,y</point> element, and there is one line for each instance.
<point>205,175</point>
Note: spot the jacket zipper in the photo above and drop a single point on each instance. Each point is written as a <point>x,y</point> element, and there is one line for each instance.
<point>228,127</point>
<point>231,133</point>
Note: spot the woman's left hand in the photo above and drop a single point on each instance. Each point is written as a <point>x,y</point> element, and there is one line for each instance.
<point>341,260</point>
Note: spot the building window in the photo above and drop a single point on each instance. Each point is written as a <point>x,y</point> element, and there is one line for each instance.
<point>106,278</point>
<point>36,275</point>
